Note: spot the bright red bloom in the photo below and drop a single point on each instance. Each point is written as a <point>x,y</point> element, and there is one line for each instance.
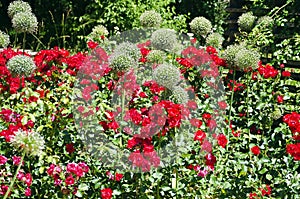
<point>286,74</point>
<point>280,99</point>
<point>92,44</point>
<point>210,159</point>
<point>69,180</point>
<point>27,192</point>
<point>200,136</point>
<point>222,140</point>
<point>106,193</point>
<point>255,150</point>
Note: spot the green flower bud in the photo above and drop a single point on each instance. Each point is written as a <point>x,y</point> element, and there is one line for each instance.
<point>246,21</point>
<point>150,19</point>
<point>31,142</point>
<point>200,26</point>
<point>129,49</point>
<point>121,62</point>
<point>163,39</point>
<point>25,22</point>
<point>180,95</point>
<point>230,54</point>
<point>4,39</point>
<point>20,65</point>
<point>214,40</point>
<point>265,21</point>
<point>18,7</point>
<point>246,59</point>
<point>156,56</point>
<point>166,75</point>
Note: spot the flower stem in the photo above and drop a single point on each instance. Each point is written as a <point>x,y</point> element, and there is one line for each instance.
<point>231,99</point>
<point>13,180</point>
<point>24,42</point>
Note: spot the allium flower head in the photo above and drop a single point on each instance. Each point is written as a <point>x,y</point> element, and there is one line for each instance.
<point>4,39</point>
<point>150,19</point>
<point>214,40</point>
<point>25,22</point>
<point>265,21</point>
<point>230,54</point>
<point>156,56</point>
<point>29,141</point>
<point>97,32</point>
<point>121,62</point>
<point>18,7</point>
<point>166,75</point>
<point>180,95</point>
<point>128,49</point>
<point>163,39</point>
<point>200,26</point>
<point>20,65</point>
<point>246,59</point>
<point>246,21</point>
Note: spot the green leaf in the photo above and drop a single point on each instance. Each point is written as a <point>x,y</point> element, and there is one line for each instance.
<point>264,170</point>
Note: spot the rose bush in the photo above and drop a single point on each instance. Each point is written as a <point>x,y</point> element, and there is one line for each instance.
<point>245,129</point>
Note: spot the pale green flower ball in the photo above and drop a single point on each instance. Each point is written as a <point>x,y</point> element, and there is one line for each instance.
<point>20,65</point>
<point>31,142</point>
<point>276,114</point>
<point>25,22</point>
<point>246,59</point>
<point>156,56</point>
<point>163,39</point>
<point>121,62</point>
<point>265,21</point>
<point>18,7</point>
<point>166,75</point>
<point>246,21</point>
<point>230,53</point>
<point>214,40</point>
<point>150,19</point>
<point>97,32</point>
<point>200,26</point>
<point>180,95</point>
<point>4,39</point>
<point>129,49</point>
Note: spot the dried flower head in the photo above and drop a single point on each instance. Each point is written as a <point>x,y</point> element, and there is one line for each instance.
<point>246,59</point>
<point>230,54</point>
<point>25,22</point>
<point>214,40</point>
<point>180,95</point>
<point>20,65</point>
<point>97,32</point>
<point>163,39</point>
<point>4,39</point>
<point>246,21</point>
<point>128,49</point>
<point>166,75</point>
<point>150,19</point>
<point>156,56</point>
<point>18,7</point>
<point>265,21</point>
<point>29,141</point>
<point>200,26</point>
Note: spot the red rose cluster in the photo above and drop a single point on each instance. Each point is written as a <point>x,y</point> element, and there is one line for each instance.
<point>293,121</point>
<point>267,71</point>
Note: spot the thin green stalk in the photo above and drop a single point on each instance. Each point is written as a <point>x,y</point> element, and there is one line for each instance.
<point>24,42</point>
<point>39,41</point>
<point>16,39</point>
<point>231,99</point>
<point>15,176</point>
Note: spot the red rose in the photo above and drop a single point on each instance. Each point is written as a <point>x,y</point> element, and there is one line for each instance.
<point>286,74</point>
<point>69,180</point>
<point>200,136</point>
<point>255,150</point>
<point>70,148</point>
<point>222,140</point>
<point>280,99</point>
<point>222,105</point>
<point>106,193</point>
